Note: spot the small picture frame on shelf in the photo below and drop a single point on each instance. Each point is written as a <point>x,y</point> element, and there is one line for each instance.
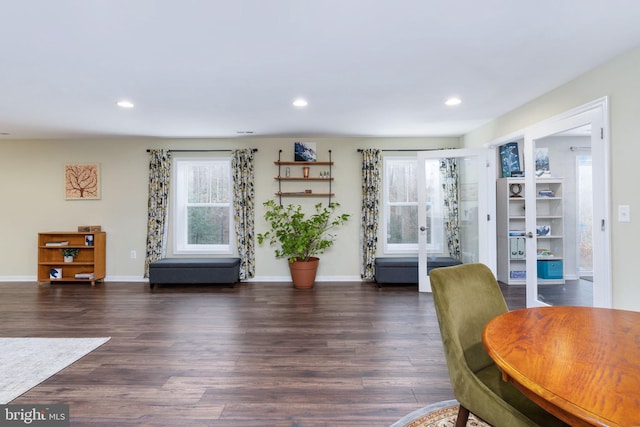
<point>543,230</point>
<point>542,163</point>
<point>55,273</point>
<point>88,240</point>
<point>304,151</point>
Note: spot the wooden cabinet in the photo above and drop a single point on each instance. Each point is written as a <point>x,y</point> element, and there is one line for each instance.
<point>87,266</point>
<point>294,172</point>
<point>510,221</point>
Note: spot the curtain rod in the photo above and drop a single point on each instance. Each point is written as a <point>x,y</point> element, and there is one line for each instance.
<point>360,150</point>
<point>200,151</point>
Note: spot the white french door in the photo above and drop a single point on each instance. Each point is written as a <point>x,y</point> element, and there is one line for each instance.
<point>454,213</point>
<point>538,293</point>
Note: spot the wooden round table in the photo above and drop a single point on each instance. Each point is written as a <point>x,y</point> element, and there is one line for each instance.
<point>582,364</point>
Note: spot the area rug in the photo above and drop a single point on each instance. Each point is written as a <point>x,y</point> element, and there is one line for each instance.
<point>441,414</point>
<point>26,362</point>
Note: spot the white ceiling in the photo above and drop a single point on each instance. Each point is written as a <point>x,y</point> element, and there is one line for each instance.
<point>213,68</point>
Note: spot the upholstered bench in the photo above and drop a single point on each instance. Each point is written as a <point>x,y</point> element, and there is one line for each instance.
<point>405,269</point>
<point>194,271</point>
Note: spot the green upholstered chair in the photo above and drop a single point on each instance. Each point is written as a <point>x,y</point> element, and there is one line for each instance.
<point>466,297</point>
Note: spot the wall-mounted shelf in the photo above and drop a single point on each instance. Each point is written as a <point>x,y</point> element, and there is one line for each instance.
<point>279,178</point>
<point>298,194</point>
<point>296,176</point>
<point>280,163</point>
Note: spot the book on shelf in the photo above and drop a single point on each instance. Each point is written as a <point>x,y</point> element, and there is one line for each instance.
<point>84,276</point>
<point>56,244</point>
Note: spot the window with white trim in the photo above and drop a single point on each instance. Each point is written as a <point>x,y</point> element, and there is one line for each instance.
<point>203,205</point>
<point>400,199</point>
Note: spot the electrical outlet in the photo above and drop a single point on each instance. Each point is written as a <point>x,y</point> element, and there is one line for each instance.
<point>132,255</point>
<point>624,213</point>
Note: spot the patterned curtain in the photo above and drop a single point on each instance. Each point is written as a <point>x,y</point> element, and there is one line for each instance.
<point>158,206</point>
<point>449,175</point>
<point>371,166</point>
<point>244,209</point>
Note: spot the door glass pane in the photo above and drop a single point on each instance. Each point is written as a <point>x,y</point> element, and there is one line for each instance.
<point>452,209</point>
<point>468,210</point>
<point>585,218</point>
<point>563,220</point>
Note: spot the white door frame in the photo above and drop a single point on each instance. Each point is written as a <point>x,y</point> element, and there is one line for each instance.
<point>597,113</point>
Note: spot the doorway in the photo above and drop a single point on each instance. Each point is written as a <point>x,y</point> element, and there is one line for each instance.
<point>581,222</point>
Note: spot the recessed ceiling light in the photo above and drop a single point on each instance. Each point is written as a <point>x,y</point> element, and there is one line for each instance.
<point>125,104</point>
<point>452,101</point>
<point>300,102</point>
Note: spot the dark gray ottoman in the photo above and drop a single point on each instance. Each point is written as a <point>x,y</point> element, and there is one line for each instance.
<point>194,271</point>
<point>405,269</point>
<point>397,270</point>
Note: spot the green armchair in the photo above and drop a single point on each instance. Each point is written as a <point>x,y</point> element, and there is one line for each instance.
<point>466,297</point>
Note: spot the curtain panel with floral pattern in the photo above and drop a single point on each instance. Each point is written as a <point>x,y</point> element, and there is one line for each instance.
<point>158,206</point>
<point>370,215</point>
<point>242,167</point>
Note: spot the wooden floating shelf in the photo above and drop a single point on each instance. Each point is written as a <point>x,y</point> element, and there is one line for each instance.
<point>288,178</point>
<point>302,163</point>
<point>63,264</point>
<point>66,247</point>
<point>305,194</point>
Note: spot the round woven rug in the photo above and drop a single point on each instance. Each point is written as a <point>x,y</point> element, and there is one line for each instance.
<point>441,414</point>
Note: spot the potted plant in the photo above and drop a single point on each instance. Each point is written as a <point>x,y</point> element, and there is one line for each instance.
<point>301,237</point>
<point>70,253</point>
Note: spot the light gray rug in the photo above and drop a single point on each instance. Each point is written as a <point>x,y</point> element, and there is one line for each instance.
<point>26,362</point>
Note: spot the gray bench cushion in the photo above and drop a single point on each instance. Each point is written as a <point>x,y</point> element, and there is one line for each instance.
<point>194,271</point>
<point>405,269</point>
<point>195,262</point>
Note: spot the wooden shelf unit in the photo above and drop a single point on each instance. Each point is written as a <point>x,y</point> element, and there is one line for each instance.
<point>90,259</point>
<point>280,178</point>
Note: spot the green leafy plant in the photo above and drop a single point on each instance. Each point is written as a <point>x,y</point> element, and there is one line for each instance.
<point>300,236</point>
<point>70,252</point>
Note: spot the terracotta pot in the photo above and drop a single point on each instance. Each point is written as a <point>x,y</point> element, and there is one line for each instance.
<point>303,273</point>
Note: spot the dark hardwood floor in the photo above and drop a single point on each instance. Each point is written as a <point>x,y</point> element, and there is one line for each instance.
<point>256,354</point>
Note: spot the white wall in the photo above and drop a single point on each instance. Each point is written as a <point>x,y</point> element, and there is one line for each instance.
<point>31,185</point>
<point>617,79</point>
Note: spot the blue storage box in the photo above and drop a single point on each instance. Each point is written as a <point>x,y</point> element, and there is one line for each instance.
<point>550,269</point>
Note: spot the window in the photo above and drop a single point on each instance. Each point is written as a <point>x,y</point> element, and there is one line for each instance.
<point>400,181</point>
<point>203,205</point>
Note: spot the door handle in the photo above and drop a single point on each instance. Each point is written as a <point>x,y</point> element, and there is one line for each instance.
<point>530,235</point>
<point>423,228</point>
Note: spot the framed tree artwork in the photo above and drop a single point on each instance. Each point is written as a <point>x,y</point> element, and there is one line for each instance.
<point>82,181</point>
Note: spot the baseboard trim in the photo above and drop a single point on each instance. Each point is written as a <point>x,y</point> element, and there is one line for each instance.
<point>145,280</point>
<point>287,278</point>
